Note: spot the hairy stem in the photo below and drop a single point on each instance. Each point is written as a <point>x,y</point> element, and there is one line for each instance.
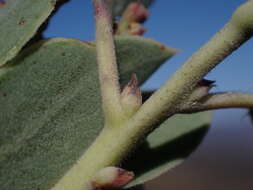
<point>169,98</point>
<point>107,150</point>
<point>219,101</point>
<point>107,65</point>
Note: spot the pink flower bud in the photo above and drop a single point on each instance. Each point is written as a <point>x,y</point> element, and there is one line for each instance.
<point>136,29</point>
<point>131,98</point>
<point>111,178</point>
<point>2,4</point>
<point>136,12</point>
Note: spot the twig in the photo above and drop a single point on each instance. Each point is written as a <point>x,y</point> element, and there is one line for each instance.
<point>167,100</point>
<point>219,101</point>
<point>107,65</point>
<point>113,144</point>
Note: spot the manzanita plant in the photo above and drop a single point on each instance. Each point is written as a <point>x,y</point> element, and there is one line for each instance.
<point>72,114</point>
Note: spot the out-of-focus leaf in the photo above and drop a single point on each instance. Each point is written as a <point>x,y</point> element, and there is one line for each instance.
<point>118,6</point>
<point>19,20</point>
<point>50,106</point>
<point>168,146</point>
<point>131,50</point>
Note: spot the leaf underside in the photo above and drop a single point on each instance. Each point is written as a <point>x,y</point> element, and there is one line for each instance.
<point>50,106</point>
<point>168,146</point>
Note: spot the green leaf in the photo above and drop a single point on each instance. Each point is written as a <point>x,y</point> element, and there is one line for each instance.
<point>46,98</point>
<point>137,54</point>
<point>40,32</point>
<point>19,20</point>
<point>50,107</point>
<point>118,7</point>
<point>168,146</point>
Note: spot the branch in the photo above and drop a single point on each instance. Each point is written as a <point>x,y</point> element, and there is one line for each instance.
<point>113,144</point>
<point>107,65</point>
<point>219,101</point>
<point>167,100</point>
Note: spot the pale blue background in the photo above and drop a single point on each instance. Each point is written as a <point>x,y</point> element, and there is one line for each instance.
<point>224,160</point>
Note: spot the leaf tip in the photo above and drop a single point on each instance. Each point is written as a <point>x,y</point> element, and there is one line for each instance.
<point>169,50</point>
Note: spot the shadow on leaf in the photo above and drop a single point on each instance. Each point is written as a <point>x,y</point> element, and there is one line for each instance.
<point>149,162</point>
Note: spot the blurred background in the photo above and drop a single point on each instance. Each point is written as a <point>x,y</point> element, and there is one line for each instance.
<point>224,159</point>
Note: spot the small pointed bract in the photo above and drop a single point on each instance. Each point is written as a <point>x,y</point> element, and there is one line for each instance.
<point>131,98</point>
<point>202,89</point>
<point>111,178</point>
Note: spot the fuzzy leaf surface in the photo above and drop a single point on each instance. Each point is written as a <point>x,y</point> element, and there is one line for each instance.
<point>137,54</point>
<point>19,20</point>
<point>50,107</point>
<point>168,146</point>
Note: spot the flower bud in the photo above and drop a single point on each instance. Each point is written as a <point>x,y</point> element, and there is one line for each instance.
<point>131,98</point>
<point>202,89</point>
<point>2,4</point>
<point>111,178</point>
<point>136,29</point>
<point>136,12</point>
